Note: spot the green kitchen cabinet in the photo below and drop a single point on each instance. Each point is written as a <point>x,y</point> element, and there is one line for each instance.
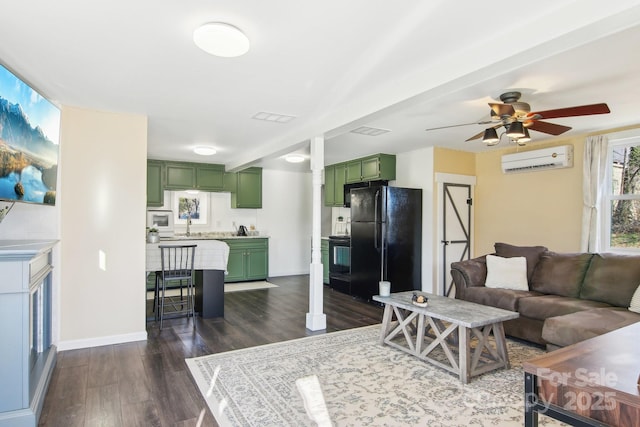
<point>155,183</point>
<point>371,168</point>
<point>324,253</point>
<point>209,177</point>
<point>199,176</point>
<point>248,259</point>
<point>180,176</point>
<point>245,187</point>
<point>329,186</point>
<point>334,179</point>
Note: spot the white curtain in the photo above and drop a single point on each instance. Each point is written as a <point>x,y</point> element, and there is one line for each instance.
<point>593,185</point>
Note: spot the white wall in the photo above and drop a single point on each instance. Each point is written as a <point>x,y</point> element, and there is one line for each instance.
<point>415,170</point>
<point>102,209</point>
<point>286,217</point>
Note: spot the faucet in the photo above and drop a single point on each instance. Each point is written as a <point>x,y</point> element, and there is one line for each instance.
<point>188,224</point>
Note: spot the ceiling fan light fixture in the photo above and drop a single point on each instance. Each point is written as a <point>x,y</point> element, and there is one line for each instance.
<point>490,136</point>
<point>221,39</point>
<point>515,130</point>
<point>526,138</point>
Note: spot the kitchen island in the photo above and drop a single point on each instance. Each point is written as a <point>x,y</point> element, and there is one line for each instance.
<point>210,263</point>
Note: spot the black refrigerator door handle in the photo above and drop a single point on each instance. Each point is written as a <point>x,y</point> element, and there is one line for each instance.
<point>375,219</point>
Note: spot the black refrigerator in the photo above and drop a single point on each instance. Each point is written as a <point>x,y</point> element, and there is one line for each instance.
<point>386,239</point>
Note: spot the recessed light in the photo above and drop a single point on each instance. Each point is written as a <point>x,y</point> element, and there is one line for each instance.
<point>295,158</point>
<point>205,151</point>
<point>221,39</point>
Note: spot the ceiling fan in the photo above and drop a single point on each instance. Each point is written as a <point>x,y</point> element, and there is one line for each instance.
<point>517,118</point>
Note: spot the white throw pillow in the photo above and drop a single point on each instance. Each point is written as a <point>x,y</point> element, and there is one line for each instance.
<point>634,305</point>
<point>507,273</point>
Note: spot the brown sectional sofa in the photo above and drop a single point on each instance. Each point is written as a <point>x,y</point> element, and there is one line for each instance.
<point>571,296</point>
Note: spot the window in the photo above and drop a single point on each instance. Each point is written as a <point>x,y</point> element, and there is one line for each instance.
<point>621,200</point>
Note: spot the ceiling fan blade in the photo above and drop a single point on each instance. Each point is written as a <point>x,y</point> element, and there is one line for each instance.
<point>481,134</point>
<point>502,109</point>
<point>546,127</point>
<point>582,110</point>
<point>487,122</point>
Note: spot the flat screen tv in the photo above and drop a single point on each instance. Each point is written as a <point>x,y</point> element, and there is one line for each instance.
<point>29,139</point>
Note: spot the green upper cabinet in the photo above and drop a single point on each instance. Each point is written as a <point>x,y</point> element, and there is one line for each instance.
<point>180,176</point>
<point>376,167</point>
<point>339,177</point>
<point>155,185</point>
<point>329,186</point>
<point>246,188</point>
<point>199,176</point>
<point>371,168</point>
<point>334,178</point>
<point>209,177</point>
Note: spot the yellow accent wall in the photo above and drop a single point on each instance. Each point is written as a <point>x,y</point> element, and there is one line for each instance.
<point>529,208</point>
<point>454,161</point>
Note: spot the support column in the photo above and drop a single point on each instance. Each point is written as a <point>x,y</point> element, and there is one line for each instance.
<point>316,319</point>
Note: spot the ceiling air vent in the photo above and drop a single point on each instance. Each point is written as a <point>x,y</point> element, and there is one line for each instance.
<point>273,117</point>
<point>369,131</point>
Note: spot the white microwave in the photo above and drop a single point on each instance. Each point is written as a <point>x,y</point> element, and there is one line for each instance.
<point>162,220</point>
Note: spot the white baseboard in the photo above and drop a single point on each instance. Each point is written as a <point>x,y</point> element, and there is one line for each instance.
<point>99,341</point>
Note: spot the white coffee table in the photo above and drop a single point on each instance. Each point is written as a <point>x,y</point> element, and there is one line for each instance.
<point>432,327</point>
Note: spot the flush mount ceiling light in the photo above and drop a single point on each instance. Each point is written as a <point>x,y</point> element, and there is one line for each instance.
<point>221,39</point>
<point>295,158</point>
<point>205,151</point>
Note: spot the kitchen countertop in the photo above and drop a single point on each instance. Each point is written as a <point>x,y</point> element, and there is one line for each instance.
<point>25,247</point>
<point>210,236</point>
<point>211,254</point>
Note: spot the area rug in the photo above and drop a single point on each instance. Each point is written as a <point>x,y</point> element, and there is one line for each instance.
<point>363,384</point>
<point>248,286</point>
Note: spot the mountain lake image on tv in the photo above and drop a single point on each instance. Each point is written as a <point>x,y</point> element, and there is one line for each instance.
<point>29,139</point>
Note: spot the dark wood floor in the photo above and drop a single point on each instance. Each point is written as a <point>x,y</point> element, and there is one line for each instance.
<point>147,383</point>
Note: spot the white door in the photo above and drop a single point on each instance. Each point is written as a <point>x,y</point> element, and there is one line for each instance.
<point>455,219</point>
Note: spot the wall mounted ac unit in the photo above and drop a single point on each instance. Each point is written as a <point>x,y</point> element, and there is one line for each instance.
<point>534,160</point>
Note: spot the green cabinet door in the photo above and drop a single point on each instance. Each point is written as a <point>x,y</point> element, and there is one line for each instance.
<point>339,178</point>
<point>248,259</point>
<point>155,185</point>
<point>329,186</point>
<point>380,166</point>
<point>209,177</point>
<point>334,179</point>
<point>324,253</point>
<point>354,171</point>
<point>248,192</point>
<point>236,265</point>
<point>257,263</point>
<point>180,176</point>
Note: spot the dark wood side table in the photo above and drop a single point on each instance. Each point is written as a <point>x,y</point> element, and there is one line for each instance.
<point>591,383</point>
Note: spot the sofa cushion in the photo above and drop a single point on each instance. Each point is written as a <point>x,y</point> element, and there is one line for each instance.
<point>506,299</point>
<point>560,274</point>
<point>507,273</point>
<point>531,253</point>
<point>612,278</point>
<point>545,306</point>
<point>572,328</point>
<point>634,305</point>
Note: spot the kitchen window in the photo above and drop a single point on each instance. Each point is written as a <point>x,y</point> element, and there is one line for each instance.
<point>621,200</point>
